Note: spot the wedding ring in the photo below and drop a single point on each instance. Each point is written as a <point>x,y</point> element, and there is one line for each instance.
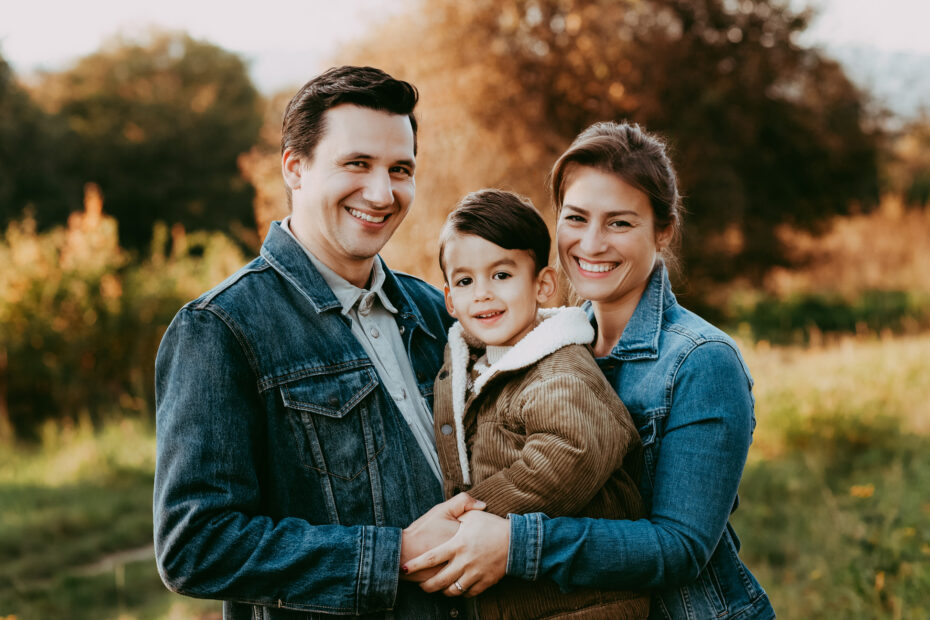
<point>459,587</point>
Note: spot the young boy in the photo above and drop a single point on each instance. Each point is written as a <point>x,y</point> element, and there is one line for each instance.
<point>524,419</point>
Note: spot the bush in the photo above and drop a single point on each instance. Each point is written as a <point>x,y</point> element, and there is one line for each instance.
<point>80,321</point>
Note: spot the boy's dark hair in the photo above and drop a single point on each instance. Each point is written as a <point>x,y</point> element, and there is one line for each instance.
<point>304,118</point>
<point>501,217</point>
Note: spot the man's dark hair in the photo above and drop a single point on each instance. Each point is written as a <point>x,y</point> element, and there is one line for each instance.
<point>304,118</point>
<point>503,218</point>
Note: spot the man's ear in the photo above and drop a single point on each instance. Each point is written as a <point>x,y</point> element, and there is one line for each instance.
<point>448,297</point>
<point>290,168</point>
<point>547,285</point>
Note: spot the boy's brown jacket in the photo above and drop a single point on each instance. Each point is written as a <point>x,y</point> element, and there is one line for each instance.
<point>545,432</point>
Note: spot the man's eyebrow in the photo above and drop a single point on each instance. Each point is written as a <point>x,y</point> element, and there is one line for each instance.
<point>360,155</point>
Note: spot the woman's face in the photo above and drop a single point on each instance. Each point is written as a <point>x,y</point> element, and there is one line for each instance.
<point>606,237</point>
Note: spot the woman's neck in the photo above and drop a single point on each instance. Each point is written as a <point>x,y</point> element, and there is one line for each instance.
<point>612,318</point>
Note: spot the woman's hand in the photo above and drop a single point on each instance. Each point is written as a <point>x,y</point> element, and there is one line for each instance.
<point>475,557</point>
<point>433,528</point>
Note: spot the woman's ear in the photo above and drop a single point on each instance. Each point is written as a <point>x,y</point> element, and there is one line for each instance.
<point>290,169</point>
<point>664,237</point>
<point>547,285</point>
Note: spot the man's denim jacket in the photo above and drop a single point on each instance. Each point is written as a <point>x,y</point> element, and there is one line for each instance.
<point>284,471</point>
<point>689,392</point>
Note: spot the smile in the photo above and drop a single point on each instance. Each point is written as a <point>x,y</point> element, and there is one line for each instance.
<point>489,315</point>
<point>365,217</point>
<point>595,267</point>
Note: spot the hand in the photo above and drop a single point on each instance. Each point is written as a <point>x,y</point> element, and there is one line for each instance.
<point>433,528</point>
<point>475,557</point>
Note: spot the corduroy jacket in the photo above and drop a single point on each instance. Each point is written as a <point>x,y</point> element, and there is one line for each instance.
<point>540,431</point>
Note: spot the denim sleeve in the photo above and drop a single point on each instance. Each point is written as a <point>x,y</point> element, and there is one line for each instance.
<point>700,463</point>
<point>213,538</point>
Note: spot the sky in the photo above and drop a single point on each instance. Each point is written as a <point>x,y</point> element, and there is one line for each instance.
<point>288,41</point>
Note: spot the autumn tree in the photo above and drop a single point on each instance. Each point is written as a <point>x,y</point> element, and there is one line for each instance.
<point>160,124</point>
<point>764,131</point>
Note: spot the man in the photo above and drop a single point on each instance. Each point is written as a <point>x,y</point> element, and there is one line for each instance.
<point>294,429</point>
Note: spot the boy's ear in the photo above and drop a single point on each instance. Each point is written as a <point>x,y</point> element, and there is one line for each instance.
<point>290,169</point>
<point>547,285</point>
<point>448,297</point>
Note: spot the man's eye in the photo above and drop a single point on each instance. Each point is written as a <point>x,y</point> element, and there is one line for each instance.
<point>402,171</point>
<point>357,164</point>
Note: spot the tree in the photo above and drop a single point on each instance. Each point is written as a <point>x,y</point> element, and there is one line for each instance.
<point>763,131</point>
<point>34,149</point>
<point>161,124</point>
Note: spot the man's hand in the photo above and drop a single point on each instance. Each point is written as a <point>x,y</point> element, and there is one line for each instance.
<point>435,527</point>
<point>470,562</point>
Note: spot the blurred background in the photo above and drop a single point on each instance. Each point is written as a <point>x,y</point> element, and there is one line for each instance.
<point>139,166</point>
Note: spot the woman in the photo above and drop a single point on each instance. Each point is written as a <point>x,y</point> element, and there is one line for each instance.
<point>684,382</point>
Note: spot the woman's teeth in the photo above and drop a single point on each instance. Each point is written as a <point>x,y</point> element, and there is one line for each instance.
<point>596,267</point>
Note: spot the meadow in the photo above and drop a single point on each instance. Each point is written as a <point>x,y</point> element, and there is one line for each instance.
<point>831,517</point>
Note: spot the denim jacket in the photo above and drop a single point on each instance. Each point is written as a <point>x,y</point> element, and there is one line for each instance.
<point>689,392</point>
<point>284,470</point>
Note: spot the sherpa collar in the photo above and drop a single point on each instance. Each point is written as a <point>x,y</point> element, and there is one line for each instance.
<point>556,328</point>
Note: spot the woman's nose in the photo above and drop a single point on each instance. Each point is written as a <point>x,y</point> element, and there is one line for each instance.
<point>592,240</point>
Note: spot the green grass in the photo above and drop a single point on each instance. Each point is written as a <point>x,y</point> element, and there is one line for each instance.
<point>68,508</point>
<point>834,513</point>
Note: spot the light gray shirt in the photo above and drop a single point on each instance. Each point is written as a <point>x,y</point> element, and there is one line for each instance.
<point>371,314</point>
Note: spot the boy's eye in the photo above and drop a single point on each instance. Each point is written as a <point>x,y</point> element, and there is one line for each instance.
<point>501,275</point>
<point>463,282</point>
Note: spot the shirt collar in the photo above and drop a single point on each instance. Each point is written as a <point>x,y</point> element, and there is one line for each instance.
<point>347,293</point>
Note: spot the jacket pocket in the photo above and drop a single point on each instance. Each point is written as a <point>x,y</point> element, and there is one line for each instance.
<point>650,426</point>
<point>337,429</point>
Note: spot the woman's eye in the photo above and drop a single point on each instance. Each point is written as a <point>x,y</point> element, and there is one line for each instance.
<point>574,218</point>
<point>620,224</point>
<point>501,275</point>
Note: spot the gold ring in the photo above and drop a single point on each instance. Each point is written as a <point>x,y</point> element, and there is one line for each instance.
<point>459,587</point>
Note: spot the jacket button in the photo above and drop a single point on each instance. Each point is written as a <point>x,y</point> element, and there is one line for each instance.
<point>443,374</point>
<point>446,429</point>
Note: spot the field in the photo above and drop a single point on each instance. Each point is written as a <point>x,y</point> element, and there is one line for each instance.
<point>832,519</point>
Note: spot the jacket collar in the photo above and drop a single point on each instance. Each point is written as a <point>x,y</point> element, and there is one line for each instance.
<point>285,254</point>
<point>556,328</point>
<point>640,339</point>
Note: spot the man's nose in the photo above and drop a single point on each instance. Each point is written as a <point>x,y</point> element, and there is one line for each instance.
<point>378,191</point>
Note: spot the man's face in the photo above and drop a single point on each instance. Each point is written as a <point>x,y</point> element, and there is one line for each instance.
<point>353,194</point>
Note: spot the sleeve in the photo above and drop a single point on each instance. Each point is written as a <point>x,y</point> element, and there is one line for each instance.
<point>213,538</point>
<point>574,442</point>
<point>700,463</point>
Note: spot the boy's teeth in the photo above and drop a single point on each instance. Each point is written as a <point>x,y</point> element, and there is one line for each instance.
<point>598,267</point>
<point>368,218</point>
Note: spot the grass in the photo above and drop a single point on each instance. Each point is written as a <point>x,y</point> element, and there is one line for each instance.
<point>833,514</point>
<point>69,509</point>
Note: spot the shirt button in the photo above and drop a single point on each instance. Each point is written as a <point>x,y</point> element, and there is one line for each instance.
<point>374,332</point>
<point>454,613</point>
<point>401,396</point>
<point>446,429</point>
<point>401,328</point>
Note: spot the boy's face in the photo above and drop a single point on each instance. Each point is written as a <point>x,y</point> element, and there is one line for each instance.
<point>494,292</point>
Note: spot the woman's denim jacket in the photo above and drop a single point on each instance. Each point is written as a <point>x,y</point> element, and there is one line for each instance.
<point>284,471</point>
<point>689,392</point>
